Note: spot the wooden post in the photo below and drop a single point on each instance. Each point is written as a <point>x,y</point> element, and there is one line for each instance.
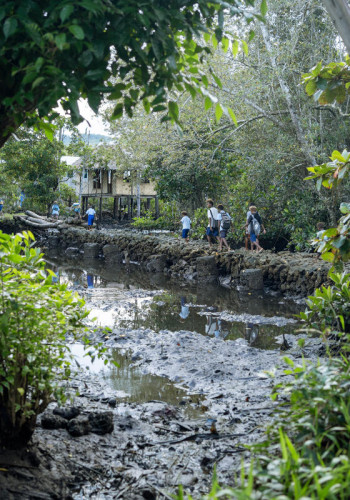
<point>115,204</point>
<point>100,210</point>
<point>129,208</point>
<point>132,208</point>
<point>157,207</point>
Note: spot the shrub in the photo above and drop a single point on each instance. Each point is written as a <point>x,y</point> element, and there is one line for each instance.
<point>329,307</point>
<point>151,223</point>
<point>35,318</point>
<point>306,454</point>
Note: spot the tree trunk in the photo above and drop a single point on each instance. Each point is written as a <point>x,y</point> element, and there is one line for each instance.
<point>300,133</point>
<point>339,10</point>
<point>138,194</point>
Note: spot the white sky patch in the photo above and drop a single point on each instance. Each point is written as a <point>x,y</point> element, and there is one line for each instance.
<point>96,122</point>
<point>93,123</point>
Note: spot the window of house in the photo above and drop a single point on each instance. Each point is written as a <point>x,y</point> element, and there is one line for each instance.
<point>97,179</point>
<point>85,173</point>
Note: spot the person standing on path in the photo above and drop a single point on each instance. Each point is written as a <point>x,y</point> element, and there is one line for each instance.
<point>55,210</point>
<point>225,225</point>
<point>1,205</point>
<point>91,216</point>
<point>247,234</point>
<point>255,225</point>
<point>213,225</point>
<point>186,226</point>
<point>76,209</point>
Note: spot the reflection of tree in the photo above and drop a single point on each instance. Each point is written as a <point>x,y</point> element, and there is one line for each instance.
<point>141,387</point>
<point>251,333</point>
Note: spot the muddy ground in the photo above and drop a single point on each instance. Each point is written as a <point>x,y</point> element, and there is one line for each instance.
<point>200,398</point>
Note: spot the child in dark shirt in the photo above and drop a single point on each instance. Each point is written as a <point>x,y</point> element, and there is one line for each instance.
<point>255,225</point>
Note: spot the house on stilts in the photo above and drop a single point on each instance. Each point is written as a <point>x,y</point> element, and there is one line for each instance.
<point>131,193</point>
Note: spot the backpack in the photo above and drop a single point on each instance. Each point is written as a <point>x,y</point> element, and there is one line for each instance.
<point>214,222</point>
<point>226,221</point>
<point>255,225</point>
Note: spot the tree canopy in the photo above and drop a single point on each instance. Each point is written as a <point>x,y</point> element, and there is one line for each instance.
<point>58,51</point>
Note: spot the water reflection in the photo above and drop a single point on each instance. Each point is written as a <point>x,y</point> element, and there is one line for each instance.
<point>252,332</point>
<point>185,310</point>
<point>129,384</point>
<point>90,280</point>
<point>122,298</point>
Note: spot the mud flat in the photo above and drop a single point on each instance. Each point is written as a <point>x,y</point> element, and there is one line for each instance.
<point>190,391</point>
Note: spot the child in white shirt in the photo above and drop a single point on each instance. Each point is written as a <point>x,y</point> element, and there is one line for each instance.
<point>91,216</point>
<point>186,226</point>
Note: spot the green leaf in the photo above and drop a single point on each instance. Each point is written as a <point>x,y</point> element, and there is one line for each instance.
<point>66,12</point>
<point>245,47</point>
<point>218,112</point>
<point>217,81</point>
<point>345,208</point>
<point>311,87</point>
<point>10,26</point>
<point>337,156</point>
<point>60,40</point>
<point>48,130</point>
<point>235,47</point>
<point>233,116</point>
<point>77,31</point>
<point>20,390</point>
<point>146,105</point>
<point>225,44</point>
<point>207,103</point>
<point>37,81</point>
<point>173,110</point>
<point>263,8</point>
<point>328,256</point>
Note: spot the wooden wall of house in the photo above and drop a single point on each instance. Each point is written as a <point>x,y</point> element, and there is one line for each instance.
<point>119,186</point>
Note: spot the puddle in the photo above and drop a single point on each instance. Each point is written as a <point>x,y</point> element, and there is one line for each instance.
<point>126,297</point>
<point>129,383</point>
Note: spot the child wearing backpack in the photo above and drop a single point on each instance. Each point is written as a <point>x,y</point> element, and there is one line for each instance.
<point>225,224</point>
<point>255,225</point>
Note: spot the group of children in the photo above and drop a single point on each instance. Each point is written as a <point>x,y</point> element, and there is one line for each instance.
<point>219,223</point>
<point>55,211</point>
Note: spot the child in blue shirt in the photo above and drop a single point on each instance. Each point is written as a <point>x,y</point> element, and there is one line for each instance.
<point>55,210</point>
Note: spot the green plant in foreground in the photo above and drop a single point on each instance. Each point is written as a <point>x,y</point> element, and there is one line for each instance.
<point>306,453</point>
<point>329,307</point>
<point>35,318</point>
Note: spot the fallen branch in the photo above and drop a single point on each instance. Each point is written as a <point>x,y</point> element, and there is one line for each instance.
<point>46,225</point>
<point>192,437</point>
<point>33,214</point>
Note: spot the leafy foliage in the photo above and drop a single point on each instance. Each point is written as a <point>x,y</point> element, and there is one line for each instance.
<point>330,174</point>
<point>330,83</point>
<point>36,316</point>
<point>33,165</point>
<point>329,308</point>
<point>306,454</point>
<point>54,52</point>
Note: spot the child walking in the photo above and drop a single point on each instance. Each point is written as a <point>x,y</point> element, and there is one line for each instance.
<point>225,224</point>
<point>186,226</point>
<point>91,216</point>
<point>255,224</point>
<point>55,210</point>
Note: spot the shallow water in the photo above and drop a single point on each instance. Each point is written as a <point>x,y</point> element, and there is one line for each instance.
<point>128,383</point>
<point>122,296</point>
